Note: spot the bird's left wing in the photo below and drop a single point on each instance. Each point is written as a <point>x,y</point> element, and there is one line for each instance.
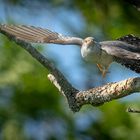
<point>123,53</point>
<point>39,35</point>
<point>132,40</point>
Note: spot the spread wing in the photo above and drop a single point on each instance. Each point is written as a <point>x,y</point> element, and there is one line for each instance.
<point>39,35</point>
<point>134,62</point>
<point>133,40</point>
<point>126,52</point>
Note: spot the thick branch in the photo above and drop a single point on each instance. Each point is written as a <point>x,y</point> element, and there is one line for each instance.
<point>100,95</point>
<point>76,99</point>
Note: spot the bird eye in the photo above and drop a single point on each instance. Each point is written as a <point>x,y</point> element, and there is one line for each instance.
<point>86,41</point>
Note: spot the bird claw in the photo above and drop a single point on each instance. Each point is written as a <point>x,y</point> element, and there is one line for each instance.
<point>103,70</point>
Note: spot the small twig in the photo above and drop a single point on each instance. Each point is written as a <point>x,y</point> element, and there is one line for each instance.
<point>131,110</point>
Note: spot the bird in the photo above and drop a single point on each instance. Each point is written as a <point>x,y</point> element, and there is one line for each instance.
<point>124,50</point>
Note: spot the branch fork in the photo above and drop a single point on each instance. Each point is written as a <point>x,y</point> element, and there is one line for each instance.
<point>76,99</point>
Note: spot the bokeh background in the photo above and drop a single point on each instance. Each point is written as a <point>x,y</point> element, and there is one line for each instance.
<point>30,106</point>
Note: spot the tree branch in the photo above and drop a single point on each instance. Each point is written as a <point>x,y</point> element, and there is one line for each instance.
<point>131,110</point>
<point>76,99</point>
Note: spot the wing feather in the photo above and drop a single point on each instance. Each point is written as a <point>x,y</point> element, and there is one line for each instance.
<point>39,35</point>
<point>133,40</point>
<point>121,54</point>
<point>132,64</point>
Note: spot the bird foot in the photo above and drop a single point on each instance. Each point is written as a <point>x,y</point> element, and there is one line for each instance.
<point>103,70</point>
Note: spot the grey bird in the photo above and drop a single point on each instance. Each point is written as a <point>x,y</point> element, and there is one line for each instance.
<point>125,50</point>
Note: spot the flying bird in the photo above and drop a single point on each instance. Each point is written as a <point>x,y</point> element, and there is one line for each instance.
<point>125,50</point>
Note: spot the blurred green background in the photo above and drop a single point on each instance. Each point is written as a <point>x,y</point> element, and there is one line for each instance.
<point>30,106</point>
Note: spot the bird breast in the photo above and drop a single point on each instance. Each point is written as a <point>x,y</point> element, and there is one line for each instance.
<point>95,54</point>
<point>90,53</point>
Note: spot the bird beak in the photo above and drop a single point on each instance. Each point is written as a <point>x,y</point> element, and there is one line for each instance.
<point>90,42</point>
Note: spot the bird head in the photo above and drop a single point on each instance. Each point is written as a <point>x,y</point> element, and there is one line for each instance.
<point>89,41</point>
<point>90,49</point>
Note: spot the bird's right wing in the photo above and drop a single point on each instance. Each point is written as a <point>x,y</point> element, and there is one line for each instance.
<point>38,35</point>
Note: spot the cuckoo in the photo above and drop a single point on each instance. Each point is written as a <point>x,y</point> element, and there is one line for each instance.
<point>125,50</point>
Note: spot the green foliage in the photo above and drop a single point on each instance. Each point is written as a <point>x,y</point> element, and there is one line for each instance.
<point>111,17</point>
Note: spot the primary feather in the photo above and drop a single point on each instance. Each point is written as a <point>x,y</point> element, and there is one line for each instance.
<point>39,35</point>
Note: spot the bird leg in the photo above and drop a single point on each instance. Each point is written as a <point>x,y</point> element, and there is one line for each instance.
<point>103,69</point>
